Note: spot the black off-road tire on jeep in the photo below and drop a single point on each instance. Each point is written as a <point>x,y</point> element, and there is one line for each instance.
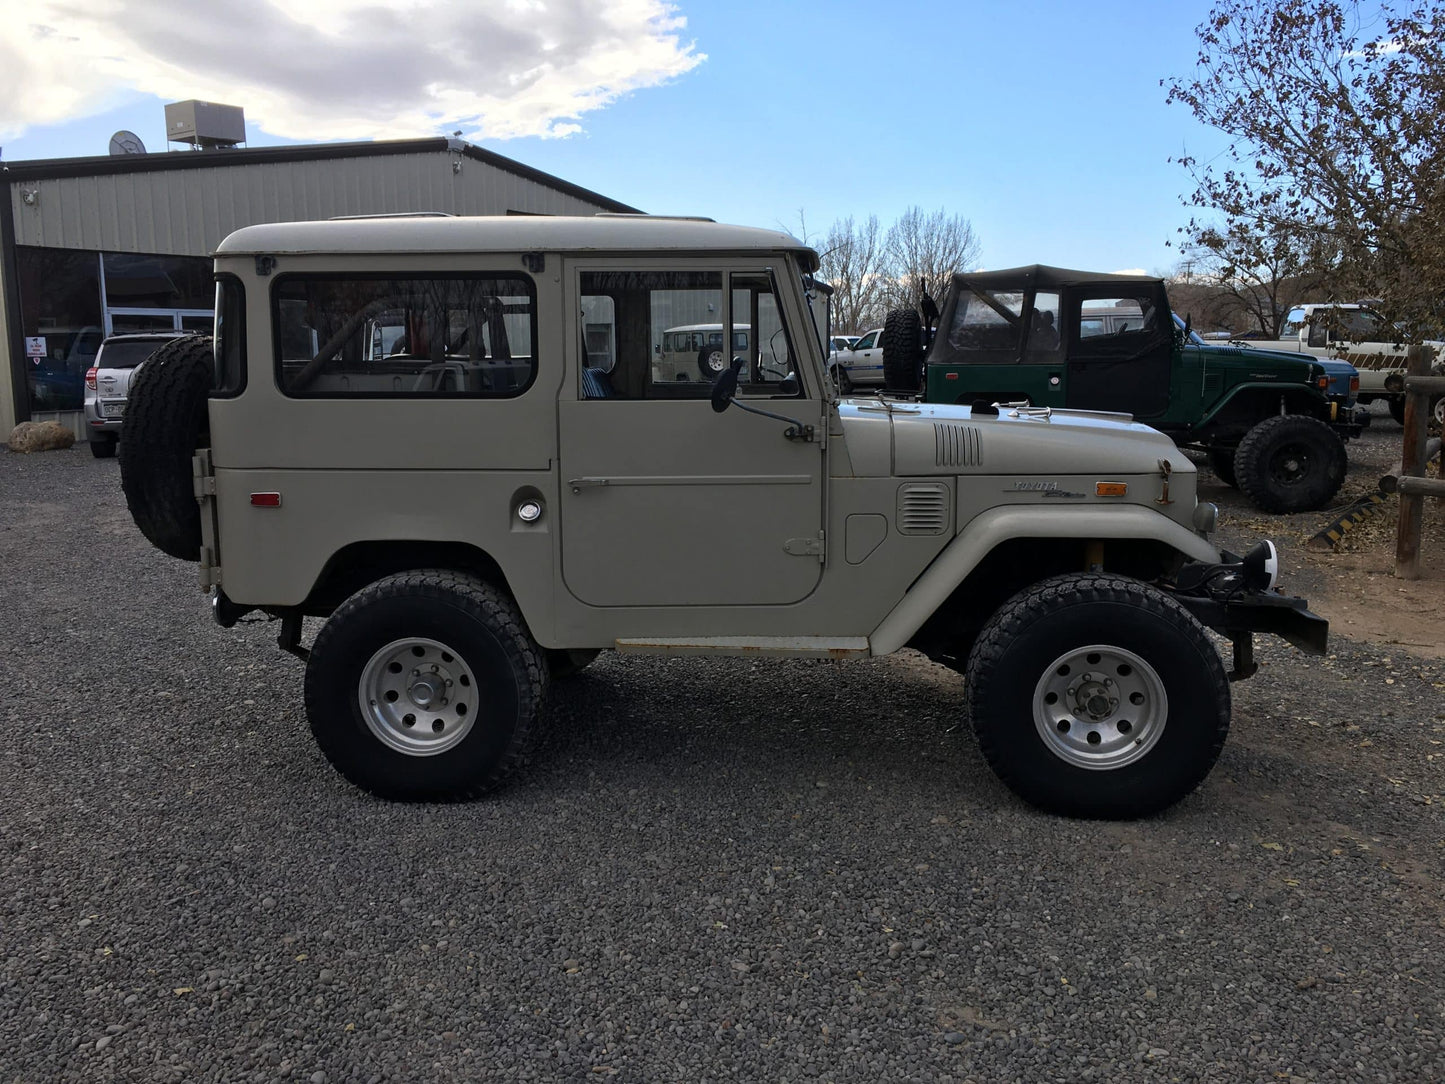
<point>903,350</point>
<point>165,422</point>
<point>1290,463</point>
<point>467,640</point>
<point>1159,728</point>
<point>1221,461</point>
<point>102,445</point>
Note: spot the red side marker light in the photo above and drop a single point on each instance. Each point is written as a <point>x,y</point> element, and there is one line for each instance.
<point>266,500</point>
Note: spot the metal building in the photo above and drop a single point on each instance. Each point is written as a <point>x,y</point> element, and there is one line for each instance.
<point>91,246</point>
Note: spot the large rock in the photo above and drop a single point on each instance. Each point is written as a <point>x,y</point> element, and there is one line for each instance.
<point>30,437</point>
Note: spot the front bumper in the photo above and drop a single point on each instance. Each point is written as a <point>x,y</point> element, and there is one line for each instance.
<point>1349,421</point>
<point>1219,601</point>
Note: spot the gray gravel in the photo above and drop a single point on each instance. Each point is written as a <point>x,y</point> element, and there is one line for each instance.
<point>721,869</point>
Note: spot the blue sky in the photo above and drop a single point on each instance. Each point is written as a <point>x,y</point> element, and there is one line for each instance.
<point>1042,122</point>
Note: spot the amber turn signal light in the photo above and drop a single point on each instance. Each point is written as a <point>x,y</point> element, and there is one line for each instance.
<point>1110,489</point>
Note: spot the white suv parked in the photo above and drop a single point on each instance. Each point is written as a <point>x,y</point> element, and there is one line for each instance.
<point>108,381</point>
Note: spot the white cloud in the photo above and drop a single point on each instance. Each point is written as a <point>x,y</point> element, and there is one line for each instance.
<point>343,69</point>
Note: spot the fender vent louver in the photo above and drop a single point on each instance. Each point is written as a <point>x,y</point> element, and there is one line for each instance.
<point>957,445</point>
<point>923,508</point>
<point>1213,381</point>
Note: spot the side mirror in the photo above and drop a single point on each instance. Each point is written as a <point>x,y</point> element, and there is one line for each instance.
<point>726,386</point>
<point>1188,323</point>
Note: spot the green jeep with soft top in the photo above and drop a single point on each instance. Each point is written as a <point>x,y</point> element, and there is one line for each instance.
<point>1272,424</point>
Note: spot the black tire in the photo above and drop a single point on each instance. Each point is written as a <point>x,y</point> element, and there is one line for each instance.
<point>1027,645</point>
<point>1290,463</point>
<point>1221,461</point>
<point>845,382</point>
<point>165,422</point>
<point>565,664</point>
<point>712,362</point>
<point>1436,407</point>
<point>1396,404</point>
<point>483,644</point>
<point>102,445</point>
<point>903,350</point>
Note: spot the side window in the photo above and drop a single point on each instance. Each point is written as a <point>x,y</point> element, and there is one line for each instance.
<point>1320,329</point>
<point>230,344</point>
<point>769,370</point>
<point>658,324</point>
<point>1042,344</point>
<point>426,336</point>
<point>866,342</point>
<point>1119,328</point>
<point>987,326</point>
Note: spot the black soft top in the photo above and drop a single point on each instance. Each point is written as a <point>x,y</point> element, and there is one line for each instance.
<point>1041,276</point>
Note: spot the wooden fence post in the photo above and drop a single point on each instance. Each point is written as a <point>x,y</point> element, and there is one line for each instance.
<point>1412,465</point>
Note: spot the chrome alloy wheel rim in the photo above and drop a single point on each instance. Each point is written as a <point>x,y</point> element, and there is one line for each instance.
<point>1100,707</point>
<point>418,696</point>
<point>717,362</point>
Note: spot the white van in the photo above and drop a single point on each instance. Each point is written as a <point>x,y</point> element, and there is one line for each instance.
<point>696,352</point>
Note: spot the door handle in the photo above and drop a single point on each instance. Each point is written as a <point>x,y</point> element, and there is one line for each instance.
<point>577,485</point>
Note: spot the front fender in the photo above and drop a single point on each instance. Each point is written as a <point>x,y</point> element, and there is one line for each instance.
<point>988,530</point>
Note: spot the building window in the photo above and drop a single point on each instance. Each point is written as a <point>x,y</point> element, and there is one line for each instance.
<point>59,303</point>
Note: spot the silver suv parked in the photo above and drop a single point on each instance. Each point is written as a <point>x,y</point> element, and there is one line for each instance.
<point>107,382</point>
<point>481,508</point>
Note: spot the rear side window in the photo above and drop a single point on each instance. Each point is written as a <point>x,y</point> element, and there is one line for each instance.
<point>230,338</point>
<point>426,336</point>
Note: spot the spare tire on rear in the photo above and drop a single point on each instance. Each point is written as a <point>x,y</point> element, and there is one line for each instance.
<point>903,350</point>
<point>165,422</point>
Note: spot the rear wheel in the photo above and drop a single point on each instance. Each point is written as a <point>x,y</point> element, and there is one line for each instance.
<point>102,445</point>
<point>1397,408</point>
<point>1097,696</point>
<point>1290,463</point>
<point>425,686</point>
<point>903,350</point>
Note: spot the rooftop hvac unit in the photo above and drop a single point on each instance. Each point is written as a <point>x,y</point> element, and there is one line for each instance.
<point>207,125</point>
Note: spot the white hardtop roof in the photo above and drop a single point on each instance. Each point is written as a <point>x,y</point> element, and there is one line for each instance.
<point>707,327</point>
<point>636,234</point>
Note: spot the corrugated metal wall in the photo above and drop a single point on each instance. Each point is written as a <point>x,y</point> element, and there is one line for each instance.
<point>188,212</point>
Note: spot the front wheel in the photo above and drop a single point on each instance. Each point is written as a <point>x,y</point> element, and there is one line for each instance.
<point>1097,696</point>
<point>425,686</point>
<point>1290,463</point>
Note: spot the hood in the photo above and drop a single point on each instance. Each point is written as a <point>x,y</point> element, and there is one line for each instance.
<point>911,439</point>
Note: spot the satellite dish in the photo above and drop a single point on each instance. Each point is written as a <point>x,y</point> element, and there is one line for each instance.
<point>124,142</point>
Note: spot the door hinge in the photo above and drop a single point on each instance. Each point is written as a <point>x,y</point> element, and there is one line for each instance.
<point>203,482</point>
<point>806,547</point>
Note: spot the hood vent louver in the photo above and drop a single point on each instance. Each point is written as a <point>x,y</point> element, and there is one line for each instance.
<point>957,445</point>
<point>923,508</point>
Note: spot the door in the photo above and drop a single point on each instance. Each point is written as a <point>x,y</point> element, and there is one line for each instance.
<point>1120,350</point>
<point>666,502</point>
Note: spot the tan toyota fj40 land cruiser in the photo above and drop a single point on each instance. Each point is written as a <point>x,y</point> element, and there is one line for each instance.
<point>444,436</point>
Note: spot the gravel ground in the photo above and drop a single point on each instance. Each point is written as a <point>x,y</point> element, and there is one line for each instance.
<point>724,869</point>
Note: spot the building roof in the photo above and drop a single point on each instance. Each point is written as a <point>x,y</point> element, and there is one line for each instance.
<point>513,233</point>
<point>104,165</point>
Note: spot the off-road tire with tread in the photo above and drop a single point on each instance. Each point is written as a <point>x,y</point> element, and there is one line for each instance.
<point>165,422</point>
<point>477,620</point>
<point>903,350</point>
<point>1039,624</point>
<point>1396,404</point>
<point>1290,463</point>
